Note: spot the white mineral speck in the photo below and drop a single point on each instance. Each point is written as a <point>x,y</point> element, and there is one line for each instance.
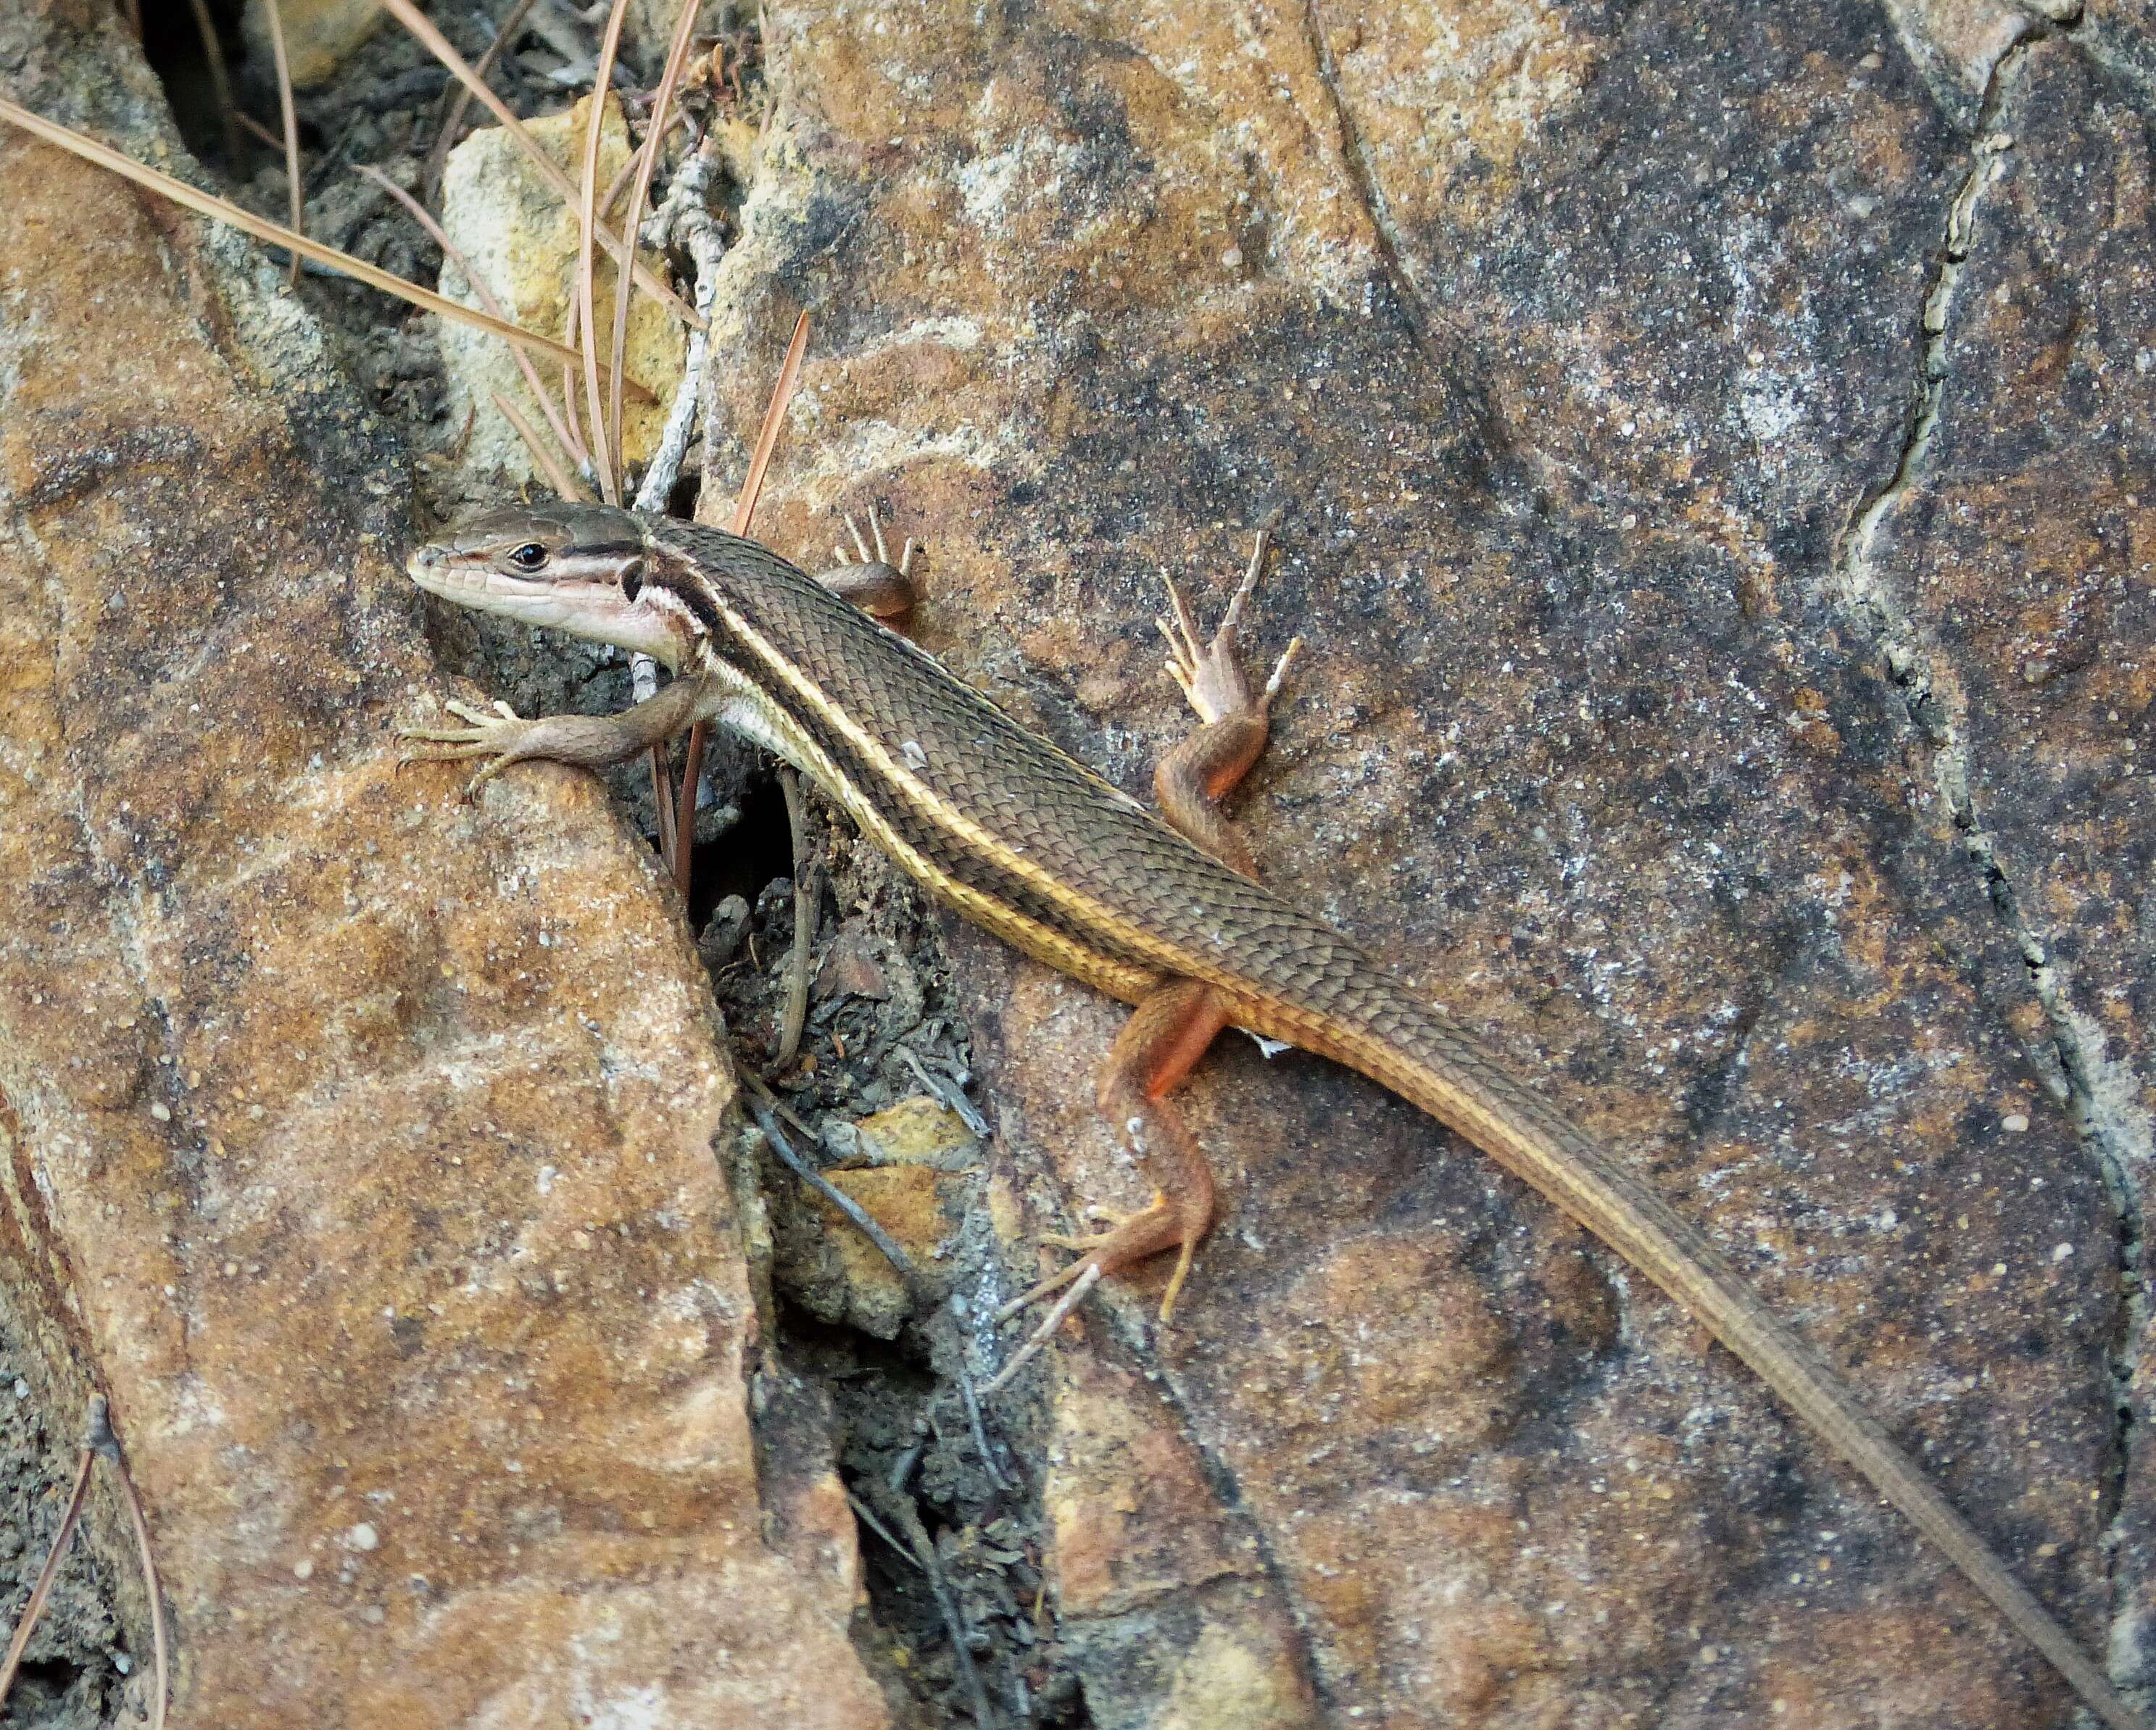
<point>362,1537</point>
<point>2014,1121</point>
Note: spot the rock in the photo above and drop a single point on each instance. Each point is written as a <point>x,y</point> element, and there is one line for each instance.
<point>358,1140</point>
<point>2010,576</point>
<point>318,34</point>
<point>918,1192</point>
<point>1566,354</point>
<point>521,238</point>
<point>919,1131</point>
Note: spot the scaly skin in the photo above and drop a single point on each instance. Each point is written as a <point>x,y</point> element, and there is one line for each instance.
<point>1027,841</point>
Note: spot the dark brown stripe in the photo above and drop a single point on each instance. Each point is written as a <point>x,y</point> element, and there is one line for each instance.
<point>686,585</point>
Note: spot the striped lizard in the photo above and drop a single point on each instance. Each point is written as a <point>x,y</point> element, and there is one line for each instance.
<point>1166,916</point>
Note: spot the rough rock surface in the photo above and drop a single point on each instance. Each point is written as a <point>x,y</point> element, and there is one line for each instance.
<point>357,1140</point>
<point>1707,449</point>
<point>1570,349</point>
<point>318,34</point>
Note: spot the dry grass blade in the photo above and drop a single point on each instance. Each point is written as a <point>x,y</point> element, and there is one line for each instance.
<point>220,84</point>
<point>606,440</point>
<point>647,161</point>
<point>556,477</point>
<point>180,192</point>
<point>292,119</point>
<point>453,115</point>
<point>774,418</point>
<point>46,1576</point>
<point>106,1443</point>
<point>418,212</point>
<point>577,447</point>
<point>437,44</point>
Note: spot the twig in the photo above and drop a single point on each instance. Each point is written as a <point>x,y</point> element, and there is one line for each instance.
<point>647,162</point>
<point>298,192</point>
<point>180,192</point>
<point>924,1549</point>
<point>757,1093</point>
<point>417,212</point>
<point>46,1576</point>
<point>666,465</point>
<point>437,44</point>
<point>808,900</point>
<point>948,1092</point>
<point>867,1516</point>
<point>220,84</point>
<point>980,1430</point>
<point>102,1439</point>
<point>606,441</point>
<point>459,99</point>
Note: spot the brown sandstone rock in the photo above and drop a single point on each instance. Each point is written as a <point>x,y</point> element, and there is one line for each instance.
<point>1673,645</point>
<point>358,1141</point>
<point>1567,351</point>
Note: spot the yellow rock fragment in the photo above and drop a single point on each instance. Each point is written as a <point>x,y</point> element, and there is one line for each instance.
<point>521,239</point>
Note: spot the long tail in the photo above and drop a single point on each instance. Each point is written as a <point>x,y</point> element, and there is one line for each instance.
<point>1428,1060</point>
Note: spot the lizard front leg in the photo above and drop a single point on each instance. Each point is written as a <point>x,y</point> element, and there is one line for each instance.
<point>502,738</point>
<point>871,580</point>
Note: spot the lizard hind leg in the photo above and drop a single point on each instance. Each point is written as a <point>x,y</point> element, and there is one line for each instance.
<point>1166,1035</point>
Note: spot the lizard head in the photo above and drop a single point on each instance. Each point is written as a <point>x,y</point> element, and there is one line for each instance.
<point>579,568</point>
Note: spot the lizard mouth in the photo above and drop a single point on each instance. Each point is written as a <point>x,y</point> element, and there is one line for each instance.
<point>471,582</point>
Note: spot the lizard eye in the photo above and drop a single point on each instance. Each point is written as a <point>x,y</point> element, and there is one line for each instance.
<point>632,585</point>
<point>528,557</point>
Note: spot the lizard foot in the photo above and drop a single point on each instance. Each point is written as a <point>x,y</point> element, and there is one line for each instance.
<point>1209,672</point>
<point>867,577</point>
<point>502,736</point>
<point>1135,1238</point>
<point>862,554</point>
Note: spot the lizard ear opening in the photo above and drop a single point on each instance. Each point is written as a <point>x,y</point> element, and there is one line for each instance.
<point>632,584</point>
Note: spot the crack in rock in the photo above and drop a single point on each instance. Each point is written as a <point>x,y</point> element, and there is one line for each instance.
<point>2098,1093</point>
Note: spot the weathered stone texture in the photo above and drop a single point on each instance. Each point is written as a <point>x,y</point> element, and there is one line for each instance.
<point>1565,347</point>
<point>358,1141</point>
<point>1705,444</point>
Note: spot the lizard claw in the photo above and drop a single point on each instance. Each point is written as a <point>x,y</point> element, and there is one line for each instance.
<point>1209,672</point>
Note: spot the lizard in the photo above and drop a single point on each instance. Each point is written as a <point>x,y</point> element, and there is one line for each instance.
<point>1167,915</point>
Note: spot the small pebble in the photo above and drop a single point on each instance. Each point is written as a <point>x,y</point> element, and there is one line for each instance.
<point>2013,1123</point>
<point>161,1111</point>
<point>362,1537</point>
